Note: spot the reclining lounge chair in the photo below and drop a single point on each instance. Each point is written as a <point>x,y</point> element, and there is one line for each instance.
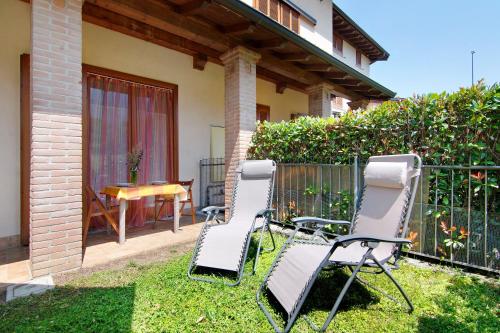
<point>376,235</point>
<point>224,246</point>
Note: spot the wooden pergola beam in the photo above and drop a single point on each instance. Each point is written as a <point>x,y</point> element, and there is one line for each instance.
<point>199,61</point>
<point>300,56</point>
<point>318,68</point>
<point>280,87</point>
<point>159,16</point>
<point>271,44</point>
<point>128,26</point>
<point>191,7</point>
<point>239,28</point>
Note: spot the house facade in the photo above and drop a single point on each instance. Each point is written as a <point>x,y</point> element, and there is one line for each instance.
<point>84,82</point>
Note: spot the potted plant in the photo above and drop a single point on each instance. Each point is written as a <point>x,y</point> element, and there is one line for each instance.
<point>134,159</point>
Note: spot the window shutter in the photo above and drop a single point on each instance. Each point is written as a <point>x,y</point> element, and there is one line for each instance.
<point>262,6</point>
<point>295,21</point>
<point>358,57</point>
<point>274,9</point>
<point>285,16</point>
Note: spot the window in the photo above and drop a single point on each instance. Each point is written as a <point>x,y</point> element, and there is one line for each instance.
<point>338,43</point>
<point>279,11</point>
<point>263,112</point>
<point>358,58</point>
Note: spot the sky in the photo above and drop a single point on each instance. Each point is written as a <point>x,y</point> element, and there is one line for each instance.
<point>430,42</point>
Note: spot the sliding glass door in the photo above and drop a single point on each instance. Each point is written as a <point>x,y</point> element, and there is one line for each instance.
<point>124,114</point>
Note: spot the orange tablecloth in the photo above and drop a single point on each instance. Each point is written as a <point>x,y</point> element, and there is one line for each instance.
<point>137,192</point>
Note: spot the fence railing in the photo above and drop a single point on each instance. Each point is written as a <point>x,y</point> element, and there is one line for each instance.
<point>212,173</point>
<point>454,217</point>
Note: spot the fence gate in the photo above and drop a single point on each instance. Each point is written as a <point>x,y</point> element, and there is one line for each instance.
<point>212,174</point>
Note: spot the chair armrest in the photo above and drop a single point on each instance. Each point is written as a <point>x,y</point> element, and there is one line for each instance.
<point>213,209</point>
<point>346,240</point>
<point>264,212</point>
<point>307,219</point>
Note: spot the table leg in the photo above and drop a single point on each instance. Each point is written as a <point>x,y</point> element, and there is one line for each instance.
<point>123,211</point>
<point>176,212</point>
<point>108,204</point>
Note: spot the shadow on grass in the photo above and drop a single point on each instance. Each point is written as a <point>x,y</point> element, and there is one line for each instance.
<point>480,301</point>
<point>71,309</point>
<point>324,293</point>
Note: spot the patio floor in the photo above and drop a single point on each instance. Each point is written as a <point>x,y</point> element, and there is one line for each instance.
<point>103,249</point>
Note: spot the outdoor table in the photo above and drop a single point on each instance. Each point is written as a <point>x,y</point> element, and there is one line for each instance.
<point>124,194</point>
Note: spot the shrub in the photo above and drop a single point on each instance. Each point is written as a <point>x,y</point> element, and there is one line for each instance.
<point>445,128</point>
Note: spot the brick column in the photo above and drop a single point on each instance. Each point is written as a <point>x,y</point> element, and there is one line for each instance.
<point>320,104</point>
<point>240,104</point>
<point>56,151</point>
<point>359,104</point>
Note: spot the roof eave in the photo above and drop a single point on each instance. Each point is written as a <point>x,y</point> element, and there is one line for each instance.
<point>267,22</point>
<point>363,32</point>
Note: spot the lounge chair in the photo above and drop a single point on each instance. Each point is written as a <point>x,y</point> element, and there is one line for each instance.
<point>224,246</point>
<point>376,236</point>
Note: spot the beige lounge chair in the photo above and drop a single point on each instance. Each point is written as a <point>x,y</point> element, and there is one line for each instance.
<point>376,235</point>
<point>224,246</point>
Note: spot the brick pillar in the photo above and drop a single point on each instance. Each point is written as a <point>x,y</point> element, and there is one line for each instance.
<point>56,151</point>
<point>320,104</point>
<point>240,104</point>
<point>359,104</point>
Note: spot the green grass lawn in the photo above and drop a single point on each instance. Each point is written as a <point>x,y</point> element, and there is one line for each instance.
<point>160,298</point>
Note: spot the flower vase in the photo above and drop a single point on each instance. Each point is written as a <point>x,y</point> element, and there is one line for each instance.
<point>133,177</point>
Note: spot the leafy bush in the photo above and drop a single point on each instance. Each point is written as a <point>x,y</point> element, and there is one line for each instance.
<point>460,128</point>
<point>443,128</point>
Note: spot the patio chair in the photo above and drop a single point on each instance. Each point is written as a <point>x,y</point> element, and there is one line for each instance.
<point>161,201</point>
<point>373,245</point>
<point>97,208</point>
<point>224,246</point>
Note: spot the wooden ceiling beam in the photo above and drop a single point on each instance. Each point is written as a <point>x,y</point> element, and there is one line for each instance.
<point>240,28</point>
<point>300,56</point>
<point>272,44</point>
<point>191,7</point>
<point>158,15</point>
<point>335,75</point>
<point>199,61</point>
<point>346,82</point>
<point>128,26</point>
<point>280,87</point>
<point>318,68</point>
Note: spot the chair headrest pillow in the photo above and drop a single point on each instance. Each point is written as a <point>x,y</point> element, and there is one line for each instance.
<point>386,174</point>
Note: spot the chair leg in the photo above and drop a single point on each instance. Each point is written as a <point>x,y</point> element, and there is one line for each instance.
<point>272,240</point>
<point>258,250</point>
<point>342,294</point>
<point>193,213</point>
<point>86,224</point>
<point>388,273</point>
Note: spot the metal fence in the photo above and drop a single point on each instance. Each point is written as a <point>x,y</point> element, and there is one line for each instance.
<point>212,175</point>
<point>454,218</point>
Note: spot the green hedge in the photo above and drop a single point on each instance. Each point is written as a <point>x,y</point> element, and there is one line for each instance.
<point>443,128</point>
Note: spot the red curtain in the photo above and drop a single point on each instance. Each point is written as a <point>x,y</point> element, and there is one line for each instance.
<point>126,116</point>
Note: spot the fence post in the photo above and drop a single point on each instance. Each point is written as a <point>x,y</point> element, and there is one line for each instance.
<point>356,181</point>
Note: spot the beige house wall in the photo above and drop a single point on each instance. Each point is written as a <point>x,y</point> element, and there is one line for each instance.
<point>15,38</point>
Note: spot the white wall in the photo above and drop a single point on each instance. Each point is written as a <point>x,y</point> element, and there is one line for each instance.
<point>321,33</point>
<point>15,38</point>
<point>348,56</point>
<point>282,105</point>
